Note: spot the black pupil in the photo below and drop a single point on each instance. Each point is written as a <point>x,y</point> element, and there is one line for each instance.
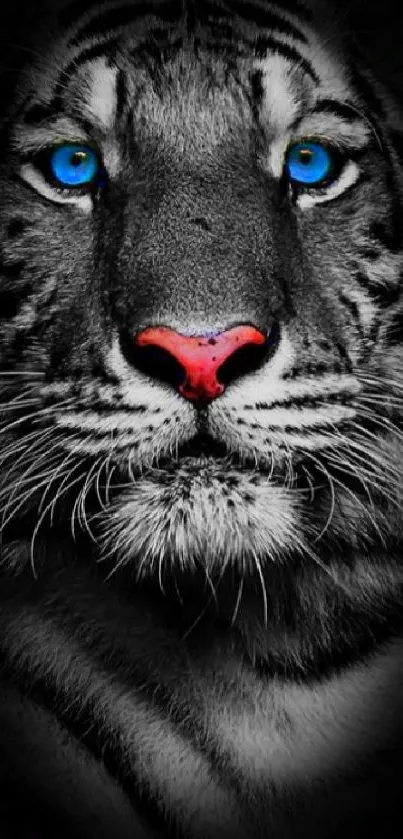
<point>77,158</point>
<point>305,157</point>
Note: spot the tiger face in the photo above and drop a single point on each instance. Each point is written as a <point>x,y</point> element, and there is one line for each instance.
<point>200,281</point>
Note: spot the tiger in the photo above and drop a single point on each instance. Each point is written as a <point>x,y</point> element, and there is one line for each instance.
<point>201,404</point>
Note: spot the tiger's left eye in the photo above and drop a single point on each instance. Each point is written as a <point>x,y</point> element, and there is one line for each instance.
<point>72,165</point>
<point>309,164</point>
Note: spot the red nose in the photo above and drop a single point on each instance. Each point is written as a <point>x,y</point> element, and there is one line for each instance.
<point>200,356</point>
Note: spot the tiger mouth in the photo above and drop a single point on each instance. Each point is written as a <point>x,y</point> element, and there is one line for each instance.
<point>203,454</point>
<point>202,445</point>
<point>202,450</point>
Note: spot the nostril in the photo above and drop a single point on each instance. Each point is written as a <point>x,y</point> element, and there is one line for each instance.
<point>158,363</point>
<point>243,361</point>
<point>248,358</point>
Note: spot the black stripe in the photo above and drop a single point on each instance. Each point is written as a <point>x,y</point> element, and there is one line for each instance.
<point>372,337</point>
<point>303,401</point>
<point>383,296</point>
<point>370,252</point>
<point>265,44</point>
<point>96,51</point>
<point>16,349</point>
<point>343,353</point>
<point>363,281</point>
<point>356,155</point>
<point>13,296</point>
<point>37,113</point>
<point>83,434</point>
<point>102,408</point>
<point>346,111</point>
<point>123,16</point>
<point>121,94</point>
<point>394,330</point>
<point>389,233</point>
<point>296,431</point>
<point>15,227</point>
<point>11,301</point>
<point>256,83</point>
<point>339,109</point>
<point>353,309</point>
<point>266,18</point>
<point>11,270</point>
<point>25,106</point>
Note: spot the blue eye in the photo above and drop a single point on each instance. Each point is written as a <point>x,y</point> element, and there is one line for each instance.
<point>74,165</point>
<point>309,164</point>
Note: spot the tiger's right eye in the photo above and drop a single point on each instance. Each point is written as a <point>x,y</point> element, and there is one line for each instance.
<point>73,166</point>
<point>309,164</point>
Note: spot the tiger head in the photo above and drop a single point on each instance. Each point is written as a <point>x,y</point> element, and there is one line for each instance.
<point>200,296</point>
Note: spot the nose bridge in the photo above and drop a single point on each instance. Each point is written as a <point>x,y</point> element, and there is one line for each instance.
<point>197,221</point>
<point>208,247</point>
<point>213,200</point>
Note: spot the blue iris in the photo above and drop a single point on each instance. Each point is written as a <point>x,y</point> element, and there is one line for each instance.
<point>309,163</point>
<point>74,165</point>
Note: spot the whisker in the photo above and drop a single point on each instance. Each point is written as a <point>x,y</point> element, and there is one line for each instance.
<point>81,499</point>
<point>58,473</point>
<point>238,602</point>
<point>25,477</point>
<point>23,498</point>
<point>207,603</point>
<point>258,567</point>
<point>40,520</point>
<point>34,415</point>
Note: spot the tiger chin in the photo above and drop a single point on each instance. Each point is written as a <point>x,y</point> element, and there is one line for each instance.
<point>201,401</point>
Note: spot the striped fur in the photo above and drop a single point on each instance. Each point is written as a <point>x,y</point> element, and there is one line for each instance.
<point>200,643</point>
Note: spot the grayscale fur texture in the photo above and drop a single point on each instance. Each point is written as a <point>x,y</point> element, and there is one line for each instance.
<point>200,605</point>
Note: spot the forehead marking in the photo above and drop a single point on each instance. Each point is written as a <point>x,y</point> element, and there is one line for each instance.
<point>99,93</point>
<point>280,105</point>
